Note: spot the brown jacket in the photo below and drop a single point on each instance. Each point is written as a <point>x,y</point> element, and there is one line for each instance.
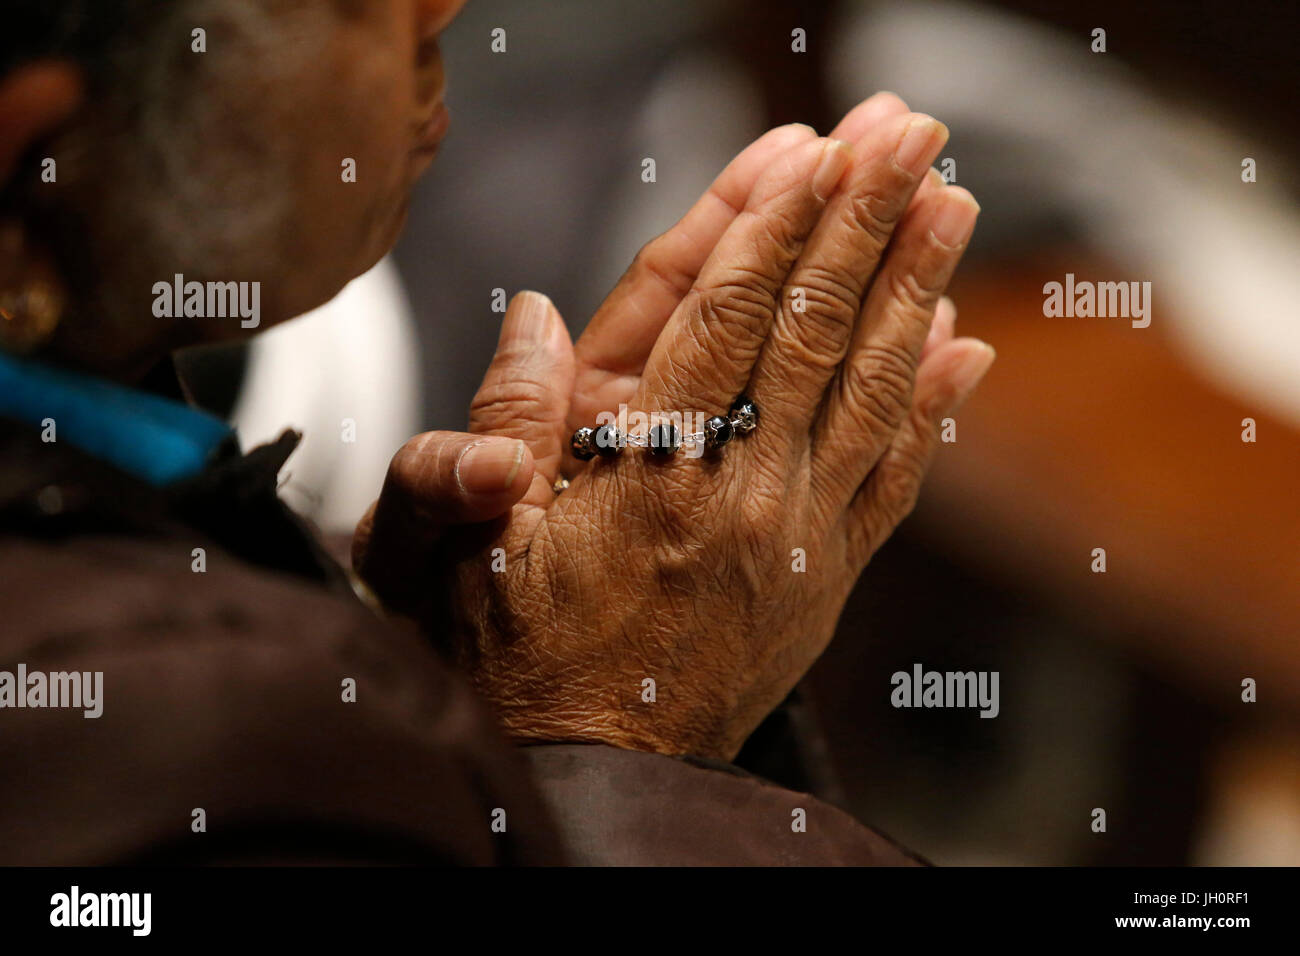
<point>224,692</point>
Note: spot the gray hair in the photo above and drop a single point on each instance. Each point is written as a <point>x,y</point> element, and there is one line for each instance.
<point>176,165</point>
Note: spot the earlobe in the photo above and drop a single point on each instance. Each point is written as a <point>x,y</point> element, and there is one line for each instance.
<point>35,100</point>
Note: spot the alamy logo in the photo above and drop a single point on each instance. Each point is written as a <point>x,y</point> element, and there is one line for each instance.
<point>1104,300</point>
<point>84,689</point>
<point>209,300</point>
<point>75,908</point>
<point>637,425</point>
<point>923,688</point>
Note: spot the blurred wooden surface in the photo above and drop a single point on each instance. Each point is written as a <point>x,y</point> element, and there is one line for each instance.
<point>1089,433</point>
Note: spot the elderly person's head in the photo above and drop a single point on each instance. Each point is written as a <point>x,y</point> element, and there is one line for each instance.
<point>270,141</point>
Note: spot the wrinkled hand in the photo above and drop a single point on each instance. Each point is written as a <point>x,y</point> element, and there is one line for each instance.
<point>684,572</point>
<point>443,479</point>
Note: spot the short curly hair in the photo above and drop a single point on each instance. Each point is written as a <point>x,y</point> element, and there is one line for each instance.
<point>142,176</point>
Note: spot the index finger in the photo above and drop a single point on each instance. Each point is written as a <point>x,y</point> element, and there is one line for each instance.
<point>705,355</point>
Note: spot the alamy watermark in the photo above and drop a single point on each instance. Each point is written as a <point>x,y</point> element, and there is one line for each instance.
<point>922,688</point>
<point>637,426</point>
<point>75,909</point>
<point>1103,300</point>
<point>75,689</point>
<point>209,300</point>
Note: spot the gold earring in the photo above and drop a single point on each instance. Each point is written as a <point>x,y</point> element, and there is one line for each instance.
<point>29,315</point>
<point>31,296</point>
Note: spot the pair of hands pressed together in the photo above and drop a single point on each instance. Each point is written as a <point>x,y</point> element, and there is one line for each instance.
<point>681,570</point>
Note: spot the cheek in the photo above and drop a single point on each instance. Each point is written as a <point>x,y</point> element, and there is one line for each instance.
<point>352,132</point>
<point>379,132</point>
<point>362,167</point>
<point>354,223</point>
<point>380,198</point>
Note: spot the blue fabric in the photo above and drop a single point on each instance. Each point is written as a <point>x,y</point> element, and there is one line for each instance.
<point>153,438</point>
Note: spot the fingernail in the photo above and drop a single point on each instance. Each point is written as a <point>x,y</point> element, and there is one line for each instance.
<point>920,144</point>
<point>955,220</point>
<point>528,321</point>
<point>973,366</point>
<point>490,466</point>
<point>835,159</point>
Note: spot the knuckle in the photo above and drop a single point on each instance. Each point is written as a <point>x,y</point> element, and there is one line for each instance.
<point>832,290</point>
<point>778,234</point>
<point>879,385</point>
<point>733,316</point>
<point>916,291</point>
<point>831,309</point>
<point>744,295</point>
<point>875,214</point>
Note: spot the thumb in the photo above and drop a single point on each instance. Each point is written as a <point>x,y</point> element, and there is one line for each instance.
<point>436,480</point>
<point>525,393</point>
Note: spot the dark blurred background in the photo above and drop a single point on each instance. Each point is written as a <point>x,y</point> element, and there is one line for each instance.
<point>1119,690</point>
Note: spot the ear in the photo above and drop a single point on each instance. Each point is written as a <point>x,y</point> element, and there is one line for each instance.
<point>35,100</point>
